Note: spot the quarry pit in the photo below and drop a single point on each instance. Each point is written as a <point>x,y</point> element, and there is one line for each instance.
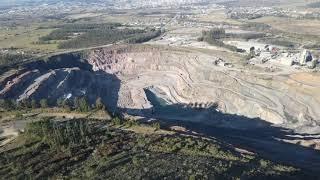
<point>185,88</point>
<point>192,80</point>
<point>173,84</point>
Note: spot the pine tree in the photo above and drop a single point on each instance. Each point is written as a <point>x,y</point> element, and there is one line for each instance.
<point>43,103</point>
<point>34,104</point>
<point>7,104</point>
<point>60,102</point>
<point>66,104</point>
<point>83,105</point>
<point>76,103</point>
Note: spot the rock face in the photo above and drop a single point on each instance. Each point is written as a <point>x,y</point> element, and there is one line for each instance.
<point>172,84</point>
<point>44,80</point>
<point>185,77</point>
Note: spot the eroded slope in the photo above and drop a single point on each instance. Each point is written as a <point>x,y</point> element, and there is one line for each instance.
<point>193,79</point>
<point>189,85</point>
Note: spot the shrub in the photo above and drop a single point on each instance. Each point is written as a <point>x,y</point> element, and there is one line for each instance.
<point>34,104</point>
<point>263,163</point>
<point>135,160</point>
<point>81,104</point>
<point>141,141</point>
<point>24,103</point>
<point>66,104</point>
<point>7,104</point>
<point>60,102</point>
<point>192,177</point>
<point>156,126</point>
<point>18,115</point>
<point>116,121</point>
<point>44,103</point>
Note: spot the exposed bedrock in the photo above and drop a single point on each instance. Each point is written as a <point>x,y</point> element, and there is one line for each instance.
<point>186,84</point>
<point>186,88</point>
<point>55,79</point>
<point>191,78</point>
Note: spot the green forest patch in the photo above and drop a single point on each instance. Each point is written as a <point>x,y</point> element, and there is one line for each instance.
<point>73,36</point>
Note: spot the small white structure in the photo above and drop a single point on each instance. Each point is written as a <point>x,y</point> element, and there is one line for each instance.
<point>305,57</point>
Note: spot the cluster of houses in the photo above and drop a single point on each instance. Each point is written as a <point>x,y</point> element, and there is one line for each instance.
<point>255,12</point>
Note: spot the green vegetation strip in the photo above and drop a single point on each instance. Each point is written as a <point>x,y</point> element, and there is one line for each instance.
<point>94,149</point>
<point>73,36</point>
<point>12,58</point>
<point>215,36</point>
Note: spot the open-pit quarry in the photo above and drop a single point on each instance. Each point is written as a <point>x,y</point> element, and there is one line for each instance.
<point>252,108</point>
<point>193,80</point>
<point>189,79</point>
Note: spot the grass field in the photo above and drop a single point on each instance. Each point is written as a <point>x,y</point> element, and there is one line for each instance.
<point>304,27</point>
<point>25,38</point>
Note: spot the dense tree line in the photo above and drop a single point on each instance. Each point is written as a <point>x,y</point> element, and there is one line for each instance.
<point>281,42</point>
<point>214,37</point>
<point>254,26</point>
<point>85,35</point>
<point>99,37</point>
<point>216,33</point>
<point>246,36</point>
<point>10,104</point>
<point>144,37</point>
<point>12,58</point>
<point>59,135</point>
<point>80,104</point>
<point>65,32</point>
